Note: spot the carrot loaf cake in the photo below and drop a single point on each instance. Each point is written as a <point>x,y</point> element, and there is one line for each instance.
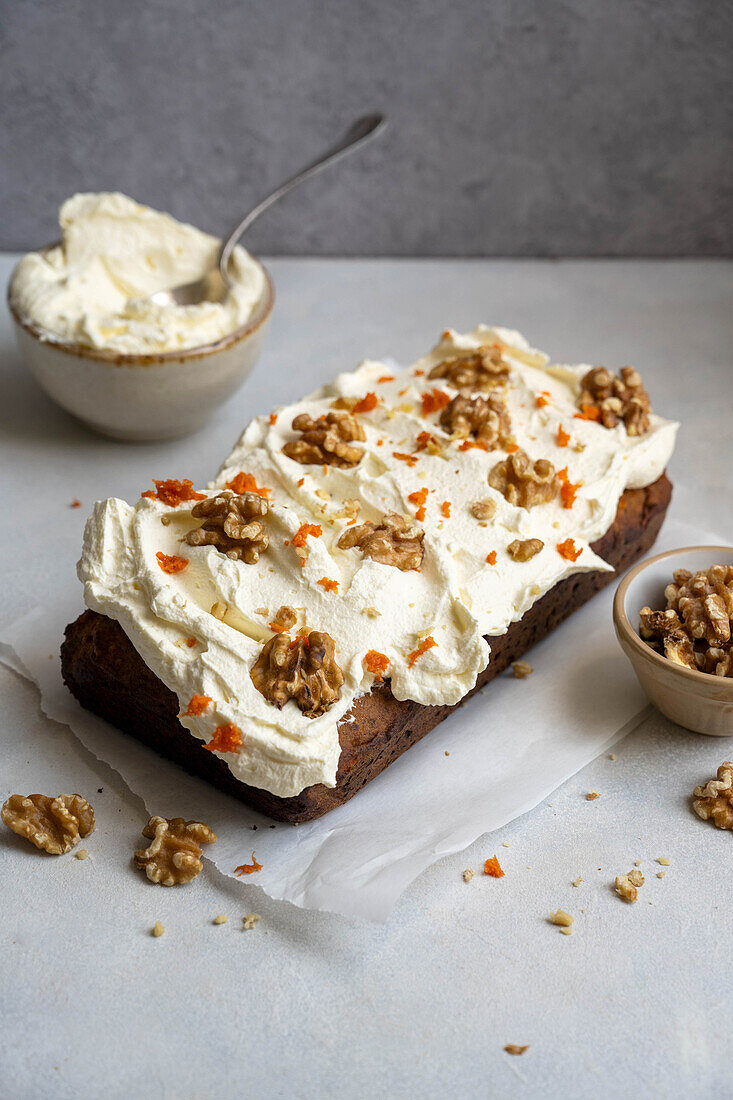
<point>364,560</point>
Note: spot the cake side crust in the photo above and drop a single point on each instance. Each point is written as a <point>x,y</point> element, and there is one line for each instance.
<point>105,673</point>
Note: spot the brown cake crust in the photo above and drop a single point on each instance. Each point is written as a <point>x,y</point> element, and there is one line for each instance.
<point>103,670</point>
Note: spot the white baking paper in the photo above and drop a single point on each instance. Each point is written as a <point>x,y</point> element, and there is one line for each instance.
<point>495,758</point>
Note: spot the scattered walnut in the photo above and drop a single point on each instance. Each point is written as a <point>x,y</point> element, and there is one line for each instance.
<point>523,482</point>
<point>618,397</point>
<point>512,1048</point>
<point>326,441</point>
<point>627,885</point>
<point>250,920</point>
<point>54,824</point>
<point>562,918</point>
<point>592,796</point>
<point>485,418</point>
<point>704,602</point>
<point>392,541</point>
<point>234,525</point>
<point>478,369</point>
<point>714,801</point>
<point>158,929</point>
<point>303,669</point>
<point>664,632</point>
<point>524,549</point>
<point>220,918</point>
<point>483,509</point>
<point>174,856</point>
<point>468,874</point>
<point>521,669</point>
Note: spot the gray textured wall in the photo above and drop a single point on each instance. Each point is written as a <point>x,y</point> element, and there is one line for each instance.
<point>519,127</point>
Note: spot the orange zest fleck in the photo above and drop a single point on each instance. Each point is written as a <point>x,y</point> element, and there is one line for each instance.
<point>418,373</point>
<point>424,646</point>
<point>569,550</point>
<point>245,483</point>
<point>306,529</point>
<point>469,444</point>
<point>419,498</point>
<point>588,412</point>
<point>172,492</point>
<point>248,868</point>
<point>568,491</point>
<point>197,706</point>
<point>512,448</point>
<point>563,437</point>
<point>170,563</point>
<point>273,418</point>
<point>75,503</point>
<point>386,378</point>
<point>401,393</point>
<point>493,868</point>
<point>376,663</point>
<point>491,557</point>
<point>423,439</point>
<point>367,404</point>
<point>277,628</point>
<point>434,400</point>
<point>542,398</point>
<point>191,642</point>
<point>328,584</point>
<point>445,509</point>
<point>300,481</point>
<point>226,738</point>
<point>409,459</point>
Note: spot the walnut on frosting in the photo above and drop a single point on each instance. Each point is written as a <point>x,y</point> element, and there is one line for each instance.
<point>55,825</point>
<point>523,482</point>
<point>484,418</point>
<point>303,669</point>
<point>618,397</point>
<point>234,525</point>
<point>524,549</point>
<point>479,368</point>
<point>714,801</point>
<point>327,440</point>
<point>392,541</point>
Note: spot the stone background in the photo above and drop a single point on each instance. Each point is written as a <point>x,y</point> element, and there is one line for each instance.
<point>518,127</point>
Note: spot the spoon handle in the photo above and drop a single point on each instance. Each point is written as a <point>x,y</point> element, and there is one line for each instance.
<point>360,131</point>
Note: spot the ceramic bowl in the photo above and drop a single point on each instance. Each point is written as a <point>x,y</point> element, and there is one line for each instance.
<point>696,700</point>
<point>145,397</point>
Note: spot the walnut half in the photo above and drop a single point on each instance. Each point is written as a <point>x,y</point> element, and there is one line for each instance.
<point>619,397</point>
<point>55,825</point>
<point>392,541</point>
<point>235,525</point>
<point>327,440</point>
<point>714,801</point>
<point>664,632</point>
<point>484,418</point>
<point>478,369</point>
<point>523,482</point>
<point>303,669</point>
<point>524,549</point>
<point>174,855</point>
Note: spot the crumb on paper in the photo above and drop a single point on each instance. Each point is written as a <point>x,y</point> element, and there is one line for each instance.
<point>521,669</point>
<point>637,863</point>
<point>661,874</point>
<point>561,917</point>
<point>627,886</point>
<point>512,1048</point>
<point>612,756</point>
<point>468,874</point>
<point>592,796</point>
<point>664,861</point>
<point>566,931</point>
<point>221,918</point>
<point>447,753</point>
<point>506,843</point>
<point>82,853</point>
<point>576,882</point>
<point>158,929</point>
<point>75,503</point>
<point>250,920</point>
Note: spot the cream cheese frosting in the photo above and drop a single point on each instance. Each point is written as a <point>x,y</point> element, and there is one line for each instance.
<point>455,599</point>
<point>92,288</point>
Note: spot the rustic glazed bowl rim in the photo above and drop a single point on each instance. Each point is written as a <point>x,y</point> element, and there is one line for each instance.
<point>261,314</point>
<point>704,680</point>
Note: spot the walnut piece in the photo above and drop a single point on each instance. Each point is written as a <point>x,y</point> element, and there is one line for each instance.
<point>484,418</point>
<point>478,369</point>
<point>285,617</point>
<point>303,669</point>
<point>664,632</point>
<point>234,525</point>
<point>714,801</point>
<point>326,441</point>
<point>483,510</point>
<point>174,854</point>
<point>627,886</point>
<point>524,549</point>
<point>523,482</point>
<point>392,541</point>
<point>618,397</point>
<point>562,918</point>
<point>55,825</point>
<point>521,669</point>
<point>704,602</point>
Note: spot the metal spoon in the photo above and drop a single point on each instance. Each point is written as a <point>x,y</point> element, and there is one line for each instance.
<point>215,284</point>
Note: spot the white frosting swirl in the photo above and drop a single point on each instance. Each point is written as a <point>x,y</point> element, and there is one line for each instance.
<point>93,288</point>
<point>455,599</point>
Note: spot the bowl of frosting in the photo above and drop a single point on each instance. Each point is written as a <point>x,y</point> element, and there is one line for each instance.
<point>125,366</point>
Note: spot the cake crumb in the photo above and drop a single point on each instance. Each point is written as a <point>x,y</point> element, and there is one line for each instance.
<point>447,753</point>
<point>250,920</point>
<point>82,853</point>
<point>512,1048</point>
<point>521,669</point>
<point>612,756</point>
<point>158,929</point>
<point>468,874</point>
<point>561,917</point>
<point>592,795</point>
<point>664,861</point>
<point>506,843</point>
<point>627,885</point>
<point>661,874</point>
<point>576,882</point>
<point>221,918</point>
<point>566,931</point>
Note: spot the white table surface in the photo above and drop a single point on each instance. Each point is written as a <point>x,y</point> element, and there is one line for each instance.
<point>638,1000</point>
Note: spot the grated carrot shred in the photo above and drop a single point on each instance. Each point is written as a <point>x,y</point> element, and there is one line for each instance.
<point>433,401</point>
<point>245,483</point>
<point>328,584</point>
<point>171,563</point>
<point>306,529</point>
<point>226,738</point>
<point>491,557</point>
<point>197,706</point>
<point>493,868</point>
<point>248,868</point>
<point>419,498</point>
<point>376,663</point>
<point>425,645</point>
<point>568,550</point>
<point>563,437</point>
<point>172,492</point>
<point>367,404</point>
